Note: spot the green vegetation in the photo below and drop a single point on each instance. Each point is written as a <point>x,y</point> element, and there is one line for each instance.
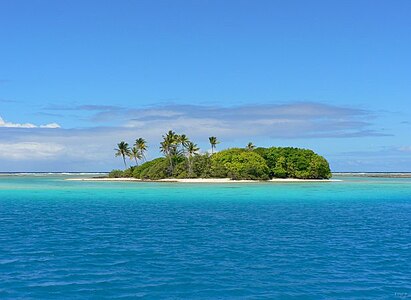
<point>239,164</point>
<point>182,160</point>
<point>250,146</point>
<point>123,150</point>
<point>294,163</point>
<point>213,142</point>
<point>136,153</point>
<point>116,174</point>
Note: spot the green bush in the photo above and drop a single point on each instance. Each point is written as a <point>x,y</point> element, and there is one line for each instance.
<point>115,174</point>
<point>319,168</point>
<point>201,166</point>
<point>181,168</point>
<point>128,172</point>
<point>239,164</point>
<point>147,165</point>
<point>157,170</point>
<point>295,163</point>
<point>280,169</point>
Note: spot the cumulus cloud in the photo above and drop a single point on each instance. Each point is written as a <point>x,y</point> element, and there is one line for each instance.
<point>26,125</point>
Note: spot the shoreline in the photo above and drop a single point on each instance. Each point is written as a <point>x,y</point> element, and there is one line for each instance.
<point>203,180</point>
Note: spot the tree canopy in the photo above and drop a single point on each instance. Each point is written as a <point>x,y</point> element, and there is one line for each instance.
<point>182,160</point>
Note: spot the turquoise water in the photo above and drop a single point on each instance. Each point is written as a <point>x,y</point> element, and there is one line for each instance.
<point>335,240</point>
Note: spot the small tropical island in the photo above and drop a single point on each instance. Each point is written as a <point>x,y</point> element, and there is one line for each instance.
<point>182,160</point>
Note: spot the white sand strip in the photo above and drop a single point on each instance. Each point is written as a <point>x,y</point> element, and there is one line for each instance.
<point>204,180</point>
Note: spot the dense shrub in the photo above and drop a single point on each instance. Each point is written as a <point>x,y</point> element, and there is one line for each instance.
<point>295,163</point>
<point>180,168</point>
<point>239,164</point>
<point>147,165</point>
<point>201,166</point>
<point>280,168</point>
<point>128,172</point>
<point>319,168</point>
<point>154,169</point>
<point>115,174</point>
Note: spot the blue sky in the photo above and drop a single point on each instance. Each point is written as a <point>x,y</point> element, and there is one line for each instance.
<point>76,77</point>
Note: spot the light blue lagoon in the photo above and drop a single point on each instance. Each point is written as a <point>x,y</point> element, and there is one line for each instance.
<point>326,240</point>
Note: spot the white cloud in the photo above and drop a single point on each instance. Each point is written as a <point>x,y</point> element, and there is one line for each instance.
<point>294,120</point>
<point>29,150</point>
<point>91,148</point>
<point>298,120</point>
<point>26,125</point>
<point>51,125</point>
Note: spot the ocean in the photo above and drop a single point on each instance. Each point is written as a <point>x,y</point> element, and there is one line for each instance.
<point>127,240</point>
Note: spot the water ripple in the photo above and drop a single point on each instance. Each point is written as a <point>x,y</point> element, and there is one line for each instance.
<point>256,241</point>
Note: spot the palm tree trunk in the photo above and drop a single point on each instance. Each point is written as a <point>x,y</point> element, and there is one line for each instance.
<point>189,166</point>
<point>171,165</point>
<point>124,160</point>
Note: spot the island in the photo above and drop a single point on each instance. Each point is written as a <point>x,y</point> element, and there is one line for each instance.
<point>182,161</point>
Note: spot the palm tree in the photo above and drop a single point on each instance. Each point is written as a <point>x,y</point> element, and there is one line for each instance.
<point>141,146</point>
<point>135,154</point>
<point>192,150</point>
<point>169,146</point>
<point>250,146</point>
<point>183,140</point>
<point>123,150</point>
<point>213,143</point>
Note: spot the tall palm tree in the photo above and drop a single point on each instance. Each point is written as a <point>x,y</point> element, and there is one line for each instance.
<point>135,154</point>
<point>141,146</point>
<point>213,142</point>
<point>250,146</point>
<point>169,146</point>
<point>192,150</point>
<point>123,150</point>
<point>183,140</point>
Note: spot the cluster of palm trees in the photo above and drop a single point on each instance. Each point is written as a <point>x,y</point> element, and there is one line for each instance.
<point>175,145</point>
<point>136,153</point>
<point>172,146</point>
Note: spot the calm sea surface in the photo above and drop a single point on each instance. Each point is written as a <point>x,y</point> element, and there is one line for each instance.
<point>335,240</point>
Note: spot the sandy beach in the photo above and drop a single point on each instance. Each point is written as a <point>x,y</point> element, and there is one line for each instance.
<point>204,180</point>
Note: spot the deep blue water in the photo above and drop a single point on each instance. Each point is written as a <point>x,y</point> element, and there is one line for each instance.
<point>336,240</point>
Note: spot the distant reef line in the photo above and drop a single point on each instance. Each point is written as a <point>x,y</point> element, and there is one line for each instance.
<point>375,174</point>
